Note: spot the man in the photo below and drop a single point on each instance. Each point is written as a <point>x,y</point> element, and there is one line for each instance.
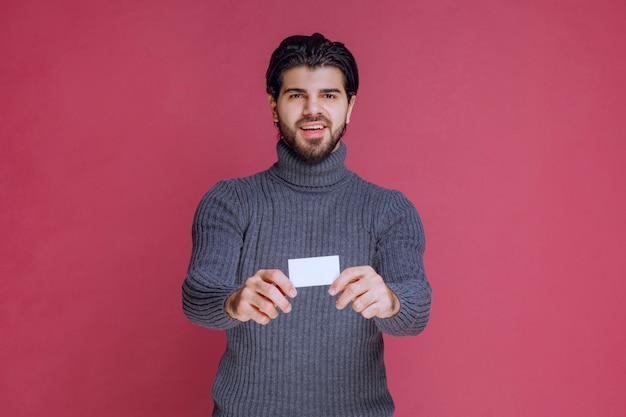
<point>300,351</point>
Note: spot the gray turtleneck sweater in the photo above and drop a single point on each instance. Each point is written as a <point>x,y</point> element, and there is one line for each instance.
<point>315,361</point>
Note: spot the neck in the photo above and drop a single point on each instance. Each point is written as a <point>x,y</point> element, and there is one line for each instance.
<point>292,169</point>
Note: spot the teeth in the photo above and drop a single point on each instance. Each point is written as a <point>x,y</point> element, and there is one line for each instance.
<point>312,127</point>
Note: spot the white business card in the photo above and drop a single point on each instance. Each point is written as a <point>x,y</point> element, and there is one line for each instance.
<point>309,272</point>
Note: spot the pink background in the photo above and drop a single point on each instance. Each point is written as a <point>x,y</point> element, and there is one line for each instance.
<point>503,121</point>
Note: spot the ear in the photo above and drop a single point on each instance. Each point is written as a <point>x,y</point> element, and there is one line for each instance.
<point>350,106</point>
<point>272,103</point>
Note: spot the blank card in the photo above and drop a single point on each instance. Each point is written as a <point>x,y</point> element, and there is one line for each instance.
<point>308,272</point>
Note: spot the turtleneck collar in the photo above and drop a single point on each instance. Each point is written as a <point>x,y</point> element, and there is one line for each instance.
<point>294,170</point>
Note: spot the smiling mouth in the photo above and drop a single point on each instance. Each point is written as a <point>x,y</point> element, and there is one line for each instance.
<point>313,127</point>
<point>313,124</point>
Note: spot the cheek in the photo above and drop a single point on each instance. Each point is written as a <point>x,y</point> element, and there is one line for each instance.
<point>290,114</point>
<point>340,116</point>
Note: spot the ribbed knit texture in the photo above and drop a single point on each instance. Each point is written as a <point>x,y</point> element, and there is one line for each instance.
<point>315,361</point>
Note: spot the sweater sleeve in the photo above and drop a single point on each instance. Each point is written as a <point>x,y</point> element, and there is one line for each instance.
<point>217,236</point>
<point>399,260</point>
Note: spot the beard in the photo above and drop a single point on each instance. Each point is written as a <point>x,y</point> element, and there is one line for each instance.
<point>315,150</point>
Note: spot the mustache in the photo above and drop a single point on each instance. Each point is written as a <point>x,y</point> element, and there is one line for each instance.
<point>304,120</point>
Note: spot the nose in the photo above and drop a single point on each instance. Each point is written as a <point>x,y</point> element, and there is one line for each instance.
<point>312,107</point>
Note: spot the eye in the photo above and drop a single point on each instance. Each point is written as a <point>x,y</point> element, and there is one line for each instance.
<point>329,96</point>
<point>296,95</point>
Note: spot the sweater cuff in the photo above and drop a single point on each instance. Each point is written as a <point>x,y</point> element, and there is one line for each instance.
<point>413,315</point>
<point>205,306</point>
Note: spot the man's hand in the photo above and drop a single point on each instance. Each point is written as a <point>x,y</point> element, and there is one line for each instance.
<point>367,291</point>
<point>260,297</point>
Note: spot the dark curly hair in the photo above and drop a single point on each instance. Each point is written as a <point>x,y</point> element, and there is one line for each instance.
<point>313,52</point>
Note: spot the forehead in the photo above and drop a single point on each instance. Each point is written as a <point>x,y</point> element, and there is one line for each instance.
<point>313,79</point>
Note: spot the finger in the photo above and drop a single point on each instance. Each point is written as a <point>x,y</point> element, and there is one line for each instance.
<point>259,317</point>
<point>252,302</point>
<point>280,280</point>
<point>350,293</point>
<point>246,311</point>
<point>271,297</point>
<point>381,307</point>
<point>371,311</point>
<point>268,306</point>
<point>347,276</point>
<point>364,301</point>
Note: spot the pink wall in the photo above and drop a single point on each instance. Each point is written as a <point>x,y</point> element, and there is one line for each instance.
<point>502,120</point>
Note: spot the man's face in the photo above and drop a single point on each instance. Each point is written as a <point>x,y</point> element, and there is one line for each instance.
<point>312,111</point>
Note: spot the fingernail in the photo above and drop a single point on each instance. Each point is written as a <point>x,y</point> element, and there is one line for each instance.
<point>293,293</point>
<point>331,291</point>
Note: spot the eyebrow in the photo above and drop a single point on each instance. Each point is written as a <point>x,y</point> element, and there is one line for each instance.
<point>302,90</point>
<point>294,90</point>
